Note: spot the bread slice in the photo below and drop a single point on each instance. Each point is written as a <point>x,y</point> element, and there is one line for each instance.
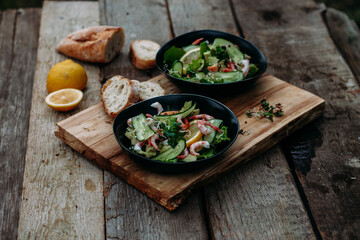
<point>117,94</point>
<point>148,89</point>
<point>143,53</point>
<point>95,44</point>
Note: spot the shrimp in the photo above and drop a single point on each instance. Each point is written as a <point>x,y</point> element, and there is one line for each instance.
<point>178,120</point>
<point>129,123</point>
<point>158,107</point>
<point>203,129</point>
<point>198,146</point>
<point>214,68</point>
<point>138,146</point>
<point>152,141</point>
<point>231,67</point>
<point>202,116</point>
<point>197,41</point>
<point>246,67</point>
<point>185,154</point>
<point>201,124</point>
<point>151,123</point>
<point>185,125</point>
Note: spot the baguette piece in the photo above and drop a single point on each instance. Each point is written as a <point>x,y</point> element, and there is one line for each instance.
<point>148,89</point>
<point>95,44</point>
<point>117,94</point>
<point>143,53</point>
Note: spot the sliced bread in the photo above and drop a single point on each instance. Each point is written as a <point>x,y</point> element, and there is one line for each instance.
<point>94,44</point>
<point>117,94</point>
<point>148,89</point>
<point>143,53</point>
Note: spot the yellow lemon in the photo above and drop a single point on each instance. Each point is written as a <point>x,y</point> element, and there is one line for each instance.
<point>65,99</point>
<point>188,57</point>
<point>66,74</point>
<point>193,135</point>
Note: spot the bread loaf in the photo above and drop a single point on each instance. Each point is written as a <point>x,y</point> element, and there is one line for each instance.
<point>148,89</point>
<point>95,44</point>
<point>143,53</point>
<point>117,94</point>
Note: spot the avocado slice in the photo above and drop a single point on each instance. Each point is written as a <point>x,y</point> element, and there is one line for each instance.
<point>235,54</point>
<point>225,77</point>
<point>211,61</point>
<point>190,47</point>
<point>207,55</point>
<point>172,152</point>
<point>142,130</point>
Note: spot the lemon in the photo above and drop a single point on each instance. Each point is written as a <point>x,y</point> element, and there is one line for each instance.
<point>65,99</point>
<point>194,134</point>
<point>189,56</point>
<point>66,74</point>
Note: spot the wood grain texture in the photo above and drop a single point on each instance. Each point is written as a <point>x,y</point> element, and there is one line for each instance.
<point>267,210</point>
<point>224,223</point>
<point>134,216</point>
<point>141,20</point>
<point>295,40</point>
<point>346,35</point>
<point>19,33</point>
<point>98,144</point>
<point>63,193</point>
<point>187,16</point>
<point>129,213</point>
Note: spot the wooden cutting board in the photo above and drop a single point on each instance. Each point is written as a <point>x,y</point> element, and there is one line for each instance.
<point>90,133</point>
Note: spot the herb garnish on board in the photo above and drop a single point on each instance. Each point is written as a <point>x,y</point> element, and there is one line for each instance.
<point>265,110</point>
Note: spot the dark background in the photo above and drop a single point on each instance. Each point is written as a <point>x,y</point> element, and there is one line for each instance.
<point>350,7</point>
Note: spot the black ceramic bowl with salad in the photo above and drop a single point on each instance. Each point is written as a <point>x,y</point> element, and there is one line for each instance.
<point>176,133</point>
<point>211,60</point>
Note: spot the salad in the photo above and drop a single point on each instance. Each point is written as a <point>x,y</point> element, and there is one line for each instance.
<point>176,136</point>
<point>204,62</point>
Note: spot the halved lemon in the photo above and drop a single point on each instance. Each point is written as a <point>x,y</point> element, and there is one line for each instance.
<point>194,134</point>
<point>189,56</point>
<point>65,99</point>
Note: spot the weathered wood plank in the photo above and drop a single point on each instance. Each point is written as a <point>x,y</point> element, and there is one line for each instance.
<point>129,213</point>
<point>140,20</point>
<point>242,206</point>
<point>187,16</point>
<point>19,33</point>
<point>298,47</point>
<point>134,216</point>
<point>223,222</point>
<point>346,36</point>
<point>63,193</point>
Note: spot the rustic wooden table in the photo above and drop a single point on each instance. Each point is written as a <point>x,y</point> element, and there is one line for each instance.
<point>305,187</point>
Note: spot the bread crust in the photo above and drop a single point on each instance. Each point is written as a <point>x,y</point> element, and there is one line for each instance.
<point>137,61</point>
<point>133,96</point>
<point>90,44</point>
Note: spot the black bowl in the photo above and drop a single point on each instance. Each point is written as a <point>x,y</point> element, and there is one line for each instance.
<point>175,102</point>
<point>207,88</point>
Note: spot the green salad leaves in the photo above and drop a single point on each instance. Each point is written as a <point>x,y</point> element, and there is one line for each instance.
<point>218,62</point>
<point>172,55</point>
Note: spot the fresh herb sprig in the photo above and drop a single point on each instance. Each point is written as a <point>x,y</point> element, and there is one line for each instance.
<point>265,110</point>
<point>220,53</point>
<point>172,131</point>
